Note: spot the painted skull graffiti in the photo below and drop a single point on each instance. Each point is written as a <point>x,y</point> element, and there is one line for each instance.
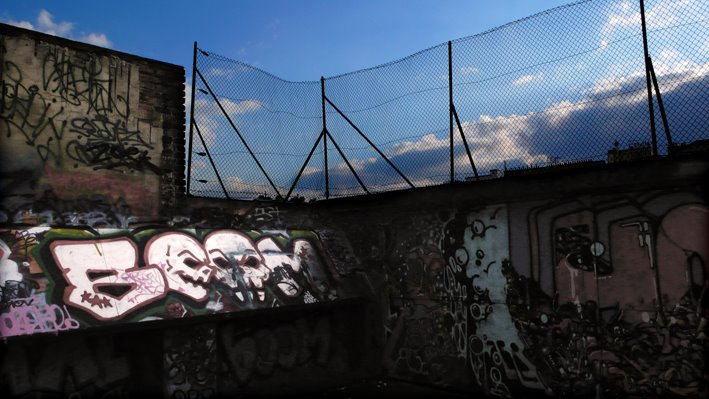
<point>184,262</point>
<point>238,263</point>
<point>282,266</point>
<point>225,271</point>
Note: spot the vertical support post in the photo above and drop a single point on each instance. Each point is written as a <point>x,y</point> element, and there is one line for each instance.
<point>450,107</point>
<point>189,148</point>
<point>648,72</point>
<point>324,129</point>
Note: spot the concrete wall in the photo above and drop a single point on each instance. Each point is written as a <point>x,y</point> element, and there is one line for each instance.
<point>588,280</point>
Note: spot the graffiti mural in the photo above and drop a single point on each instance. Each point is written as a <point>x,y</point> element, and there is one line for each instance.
<point>609,297</point>
<point>619,304</point>
<point>60,279</point>
<point>477,244</point>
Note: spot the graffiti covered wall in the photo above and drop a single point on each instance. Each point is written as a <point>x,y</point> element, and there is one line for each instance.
<point>596,295</point>
<point>79,124</point>
<point>588,282</point>
<point>61,279</point>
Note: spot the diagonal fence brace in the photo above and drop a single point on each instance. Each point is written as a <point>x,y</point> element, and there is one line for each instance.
<point>660,105</point>
<point>237,131</point>
<point>206,149</point>
<point>300,173</point>
<point>465,142</point>
<point>370,142</point>
<point>347,162</point>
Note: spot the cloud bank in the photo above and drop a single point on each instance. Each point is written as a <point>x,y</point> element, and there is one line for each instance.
<point>45,23</point>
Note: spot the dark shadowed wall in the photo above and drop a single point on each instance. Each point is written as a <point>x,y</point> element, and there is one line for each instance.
<point>575,282</point>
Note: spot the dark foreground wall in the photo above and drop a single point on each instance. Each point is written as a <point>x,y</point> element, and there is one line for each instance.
<point>274,353</point>
<point>587,281</point>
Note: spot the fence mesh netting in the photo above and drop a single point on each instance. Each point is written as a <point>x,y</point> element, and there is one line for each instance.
<point>564,86</point>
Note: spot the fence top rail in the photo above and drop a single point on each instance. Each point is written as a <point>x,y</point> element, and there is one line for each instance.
<point>521,20</point>
<point>402,59</point>
<point>245,65</point>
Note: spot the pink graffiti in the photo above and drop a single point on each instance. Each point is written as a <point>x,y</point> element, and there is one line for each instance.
<point>104,277</point>
<point>146,285</point>
<point>36,318</point>
<point>101,276</point>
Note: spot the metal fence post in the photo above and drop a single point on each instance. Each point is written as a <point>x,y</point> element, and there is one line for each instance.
<point>653,131</point>
<point>450,107</point>
<point>324,128</point>
<point>189,151</point>
<point>454,115</point>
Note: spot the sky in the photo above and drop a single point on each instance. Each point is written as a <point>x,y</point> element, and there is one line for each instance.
<point>293,39</point>
<point>560,86</point>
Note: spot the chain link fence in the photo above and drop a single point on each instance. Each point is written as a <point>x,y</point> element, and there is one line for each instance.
<point>572,84</point>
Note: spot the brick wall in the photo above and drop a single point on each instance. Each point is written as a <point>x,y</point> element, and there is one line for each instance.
<point>80,123</point>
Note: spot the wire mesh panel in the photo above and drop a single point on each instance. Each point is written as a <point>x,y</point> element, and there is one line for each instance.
<point>556,91</point>
<point>678,39</point>
<point>240,110</point>
<point>402,107</point>
<point>566,85</point>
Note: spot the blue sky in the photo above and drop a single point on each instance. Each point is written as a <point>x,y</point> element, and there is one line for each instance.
<point>560,86</point>
<point>295,40</point>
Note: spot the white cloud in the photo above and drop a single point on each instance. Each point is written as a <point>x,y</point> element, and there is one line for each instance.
<point>45,23</point>
<point>212,116</point>
<point>661,14</point>
<point>188,95</point>
<point>491,138</point>
<point>671,68</point>
<point>219,72</point>
<point>309,170</point>
<point>623,15</point>
<point>426,143</point>
<point>97,39</point>
<point>240,107</point>
<point>199,164</point>
<point>21,24</point>
<point>357,164</point>
<point>525,79</point>
<point>234,183</point>
<point>208,129</point>
<point>560,111</point>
